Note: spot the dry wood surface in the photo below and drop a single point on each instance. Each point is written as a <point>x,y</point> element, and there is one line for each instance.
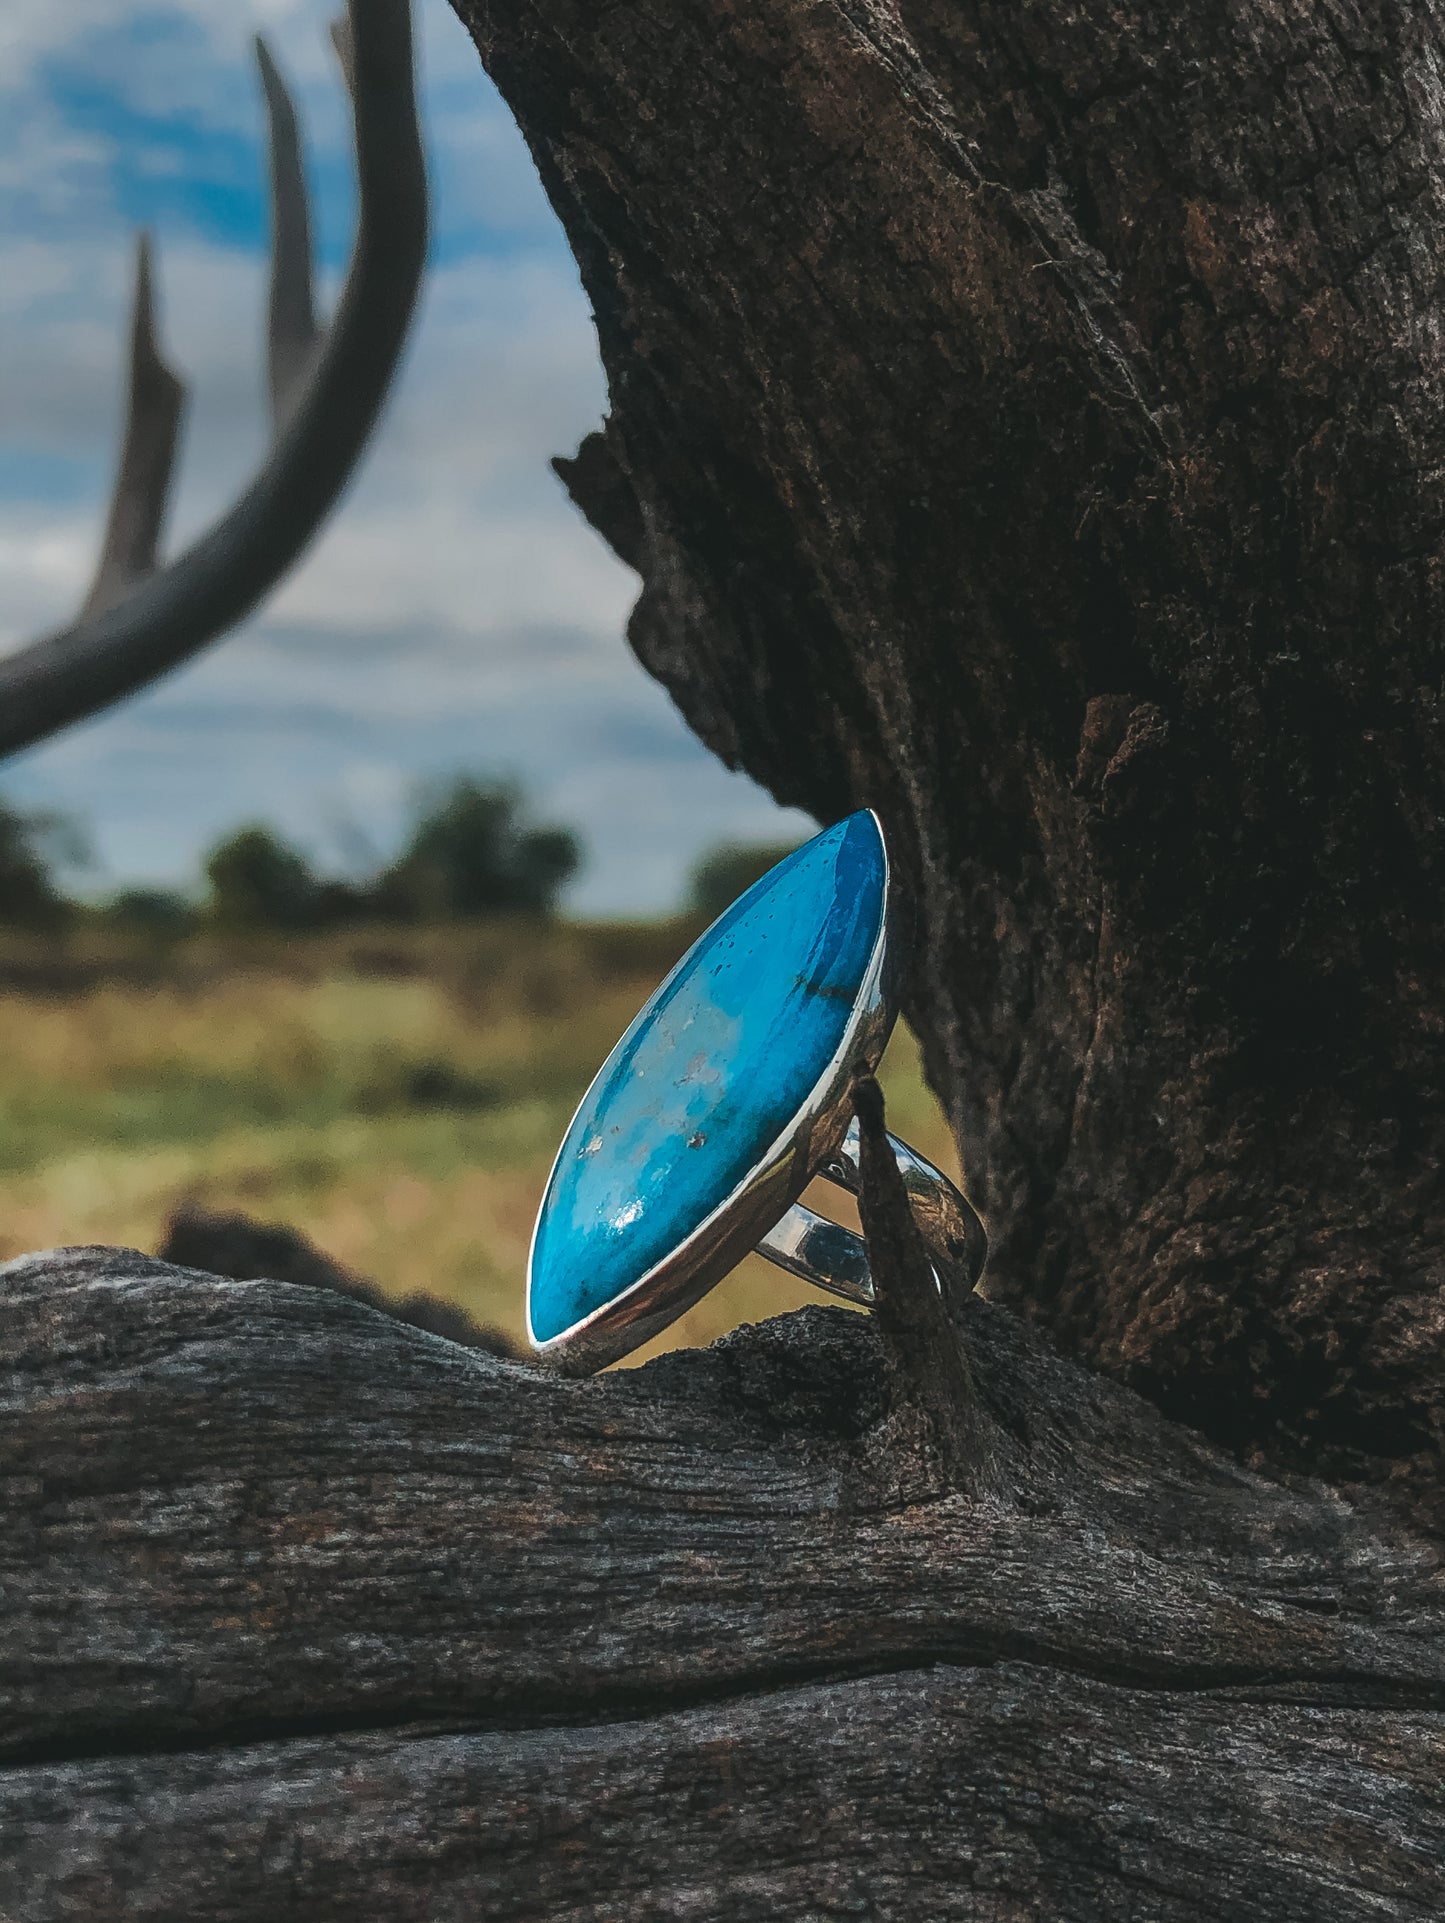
<point>311,1614</point>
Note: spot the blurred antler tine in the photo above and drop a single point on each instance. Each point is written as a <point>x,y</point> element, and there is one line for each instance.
<point>174,612</point>
<point>148,450</point>
<point>292,332</point>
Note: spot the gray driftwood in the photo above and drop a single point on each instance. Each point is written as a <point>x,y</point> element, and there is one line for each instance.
<point>309,1614</point>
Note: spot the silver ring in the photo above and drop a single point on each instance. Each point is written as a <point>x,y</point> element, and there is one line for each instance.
<point>834,1258</point>
<point>730,1090</point>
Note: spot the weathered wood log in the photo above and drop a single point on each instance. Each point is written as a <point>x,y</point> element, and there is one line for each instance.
<point>309,1614</point>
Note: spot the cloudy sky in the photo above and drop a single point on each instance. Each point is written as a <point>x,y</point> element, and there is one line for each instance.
<point>456,614</point>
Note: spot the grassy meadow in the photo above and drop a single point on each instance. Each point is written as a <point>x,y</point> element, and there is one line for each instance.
<point>398,1097</point>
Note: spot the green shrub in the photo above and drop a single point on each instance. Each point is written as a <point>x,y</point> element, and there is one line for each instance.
<point>151,911</point>
<point>259,881</point>
<point>29,894</point>
<point>469,855</point>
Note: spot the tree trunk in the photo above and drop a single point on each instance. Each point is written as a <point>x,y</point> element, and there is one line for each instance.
<point>1030,420</point>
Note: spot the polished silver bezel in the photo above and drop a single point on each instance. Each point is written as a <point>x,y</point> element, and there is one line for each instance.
<point>765,1194</point>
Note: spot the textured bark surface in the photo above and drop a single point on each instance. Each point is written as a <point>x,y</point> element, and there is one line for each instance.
<point>309,1614</point>
<point>1030,419</point>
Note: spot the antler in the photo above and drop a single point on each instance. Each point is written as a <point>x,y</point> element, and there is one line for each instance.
<point>138,621</point>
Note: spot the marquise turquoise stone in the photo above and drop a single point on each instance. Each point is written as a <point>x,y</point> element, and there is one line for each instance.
<point>709,1075</point>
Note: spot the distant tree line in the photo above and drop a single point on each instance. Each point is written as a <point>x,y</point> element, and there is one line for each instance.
<point>470,853</point>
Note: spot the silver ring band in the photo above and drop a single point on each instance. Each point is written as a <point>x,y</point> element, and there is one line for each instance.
<point>834,1258</point>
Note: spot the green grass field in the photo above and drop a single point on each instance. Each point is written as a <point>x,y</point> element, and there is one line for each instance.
<point>398,1098</point>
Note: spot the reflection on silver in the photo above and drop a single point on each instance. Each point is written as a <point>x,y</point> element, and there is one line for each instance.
<point>834,1258</point>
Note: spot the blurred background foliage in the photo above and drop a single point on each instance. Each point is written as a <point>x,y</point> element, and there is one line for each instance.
<point>722,875</point>
<point>384,1061</point>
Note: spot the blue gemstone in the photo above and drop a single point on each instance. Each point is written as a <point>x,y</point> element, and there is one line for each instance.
<point>709,1075</point>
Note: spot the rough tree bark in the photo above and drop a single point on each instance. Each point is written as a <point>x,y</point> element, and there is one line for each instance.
<point>1029,419</point>
<point>1025,418</point>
